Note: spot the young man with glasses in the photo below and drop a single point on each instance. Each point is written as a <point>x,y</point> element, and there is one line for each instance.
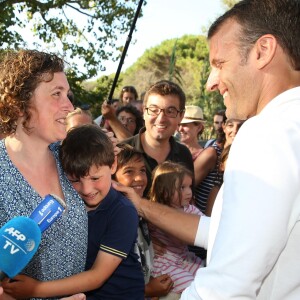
<point>164,105</point>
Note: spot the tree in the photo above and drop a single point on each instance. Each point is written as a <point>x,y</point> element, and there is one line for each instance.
<point>173,71</point>
<point>210,102</point>
<point>188,66</point>
<point>230,3</point>
<point>85,32</point>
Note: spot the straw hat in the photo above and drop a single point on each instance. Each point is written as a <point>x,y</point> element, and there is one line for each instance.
<point>192,114</point>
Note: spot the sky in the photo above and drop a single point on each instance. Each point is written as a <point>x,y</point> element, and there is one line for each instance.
<point>167,19</point>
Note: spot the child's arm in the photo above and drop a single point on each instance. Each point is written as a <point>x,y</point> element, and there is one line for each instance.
<point>4,296</point>
<point>158,286</point>
<point>103,267</point>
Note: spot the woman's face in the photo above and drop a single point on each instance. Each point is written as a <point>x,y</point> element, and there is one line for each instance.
<point>50,106</point>
<point>189,131</point>
<point>128,120</point>
<point>231,128</point>
<point>128,97</point>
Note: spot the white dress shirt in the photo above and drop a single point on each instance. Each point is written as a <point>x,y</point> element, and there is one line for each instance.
<point>254,238</point>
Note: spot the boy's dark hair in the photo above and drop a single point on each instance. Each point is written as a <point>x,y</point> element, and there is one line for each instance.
<point>85,146</point>
<point>127,154</point>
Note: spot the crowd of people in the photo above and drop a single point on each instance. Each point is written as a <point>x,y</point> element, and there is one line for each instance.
<point>137,196</point>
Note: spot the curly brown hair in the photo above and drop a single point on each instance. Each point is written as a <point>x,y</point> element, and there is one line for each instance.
<point>20,74</point>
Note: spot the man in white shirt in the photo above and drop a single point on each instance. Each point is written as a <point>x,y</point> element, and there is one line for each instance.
<point>254,234</point>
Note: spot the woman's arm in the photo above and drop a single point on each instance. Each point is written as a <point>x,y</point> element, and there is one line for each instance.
<point>204,164</point>
<point>211,200</point>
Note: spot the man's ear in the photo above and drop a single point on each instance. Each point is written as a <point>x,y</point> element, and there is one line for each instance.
<point>265,50</point>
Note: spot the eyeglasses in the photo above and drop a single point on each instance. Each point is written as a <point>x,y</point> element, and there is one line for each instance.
<point>170,112</point>
<point>127,120</point>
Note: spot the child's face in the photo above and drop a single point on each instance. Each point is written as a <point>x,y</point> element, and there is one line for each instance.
<point>133,174</point>
<point>186,192</point>
<point>95,186</point>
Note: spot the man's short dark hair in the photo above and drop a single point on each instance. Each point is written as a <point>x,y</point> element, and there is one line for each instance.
<point>280,18</point>
<point>165,87</point>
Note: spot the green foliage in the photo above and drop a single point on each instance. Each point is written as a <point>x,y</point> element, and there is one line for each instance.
<point>173,71</point>
<point>186,59</point>
<point>230,3</point>
<point>84,32</point>
<point>210,102</point>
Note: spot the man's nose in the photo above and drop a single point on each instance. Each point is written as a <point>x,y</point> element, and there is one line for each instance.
<point>213,80</point>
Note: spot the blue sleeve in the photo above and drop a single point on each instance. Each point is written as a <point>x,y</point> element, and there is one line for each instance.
<point>121,234</point>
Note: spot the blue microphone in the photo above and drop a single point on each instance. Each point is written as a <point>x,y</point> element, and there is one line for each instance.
<point>19,240</point>
<point>48,211</point>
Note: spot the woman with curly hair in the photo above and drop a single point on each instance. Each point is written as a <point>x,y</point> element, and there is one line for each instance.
<point>34,105</point>
<point>131,118</point>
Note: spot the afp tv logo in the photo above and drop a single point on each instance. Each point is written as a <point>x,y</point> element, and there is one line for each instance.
<point>15,241</point>
<point>19,237</point>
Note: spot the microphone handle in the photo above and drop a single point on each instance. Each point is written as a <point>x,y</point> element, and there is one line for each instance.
<point>48,211</point>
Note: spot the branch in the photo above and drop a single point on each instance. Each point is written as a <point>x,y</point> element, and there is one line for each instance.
<point>80,11</point>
